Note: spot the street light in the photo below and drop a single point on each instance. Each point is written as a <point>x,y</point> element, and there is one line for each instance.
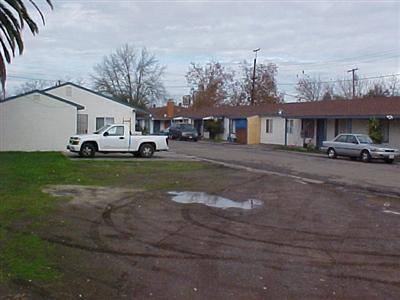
<point>254,75</point>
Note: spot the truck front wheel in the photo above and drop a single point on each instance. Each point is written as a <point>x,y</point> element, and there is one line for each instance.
<point>146,150</point>
<point>87,150</point>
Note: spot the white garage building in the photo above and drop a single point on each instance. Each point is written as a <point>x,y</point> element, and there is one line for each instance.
<point>44,120</point>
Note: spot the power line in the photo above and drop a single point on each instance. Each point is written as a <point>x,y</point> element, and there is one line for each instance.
<point>339,80</point>
<point>186,86</point>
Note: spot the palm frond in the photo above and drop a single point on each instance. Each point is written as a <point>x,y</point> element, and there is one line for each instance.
<point>13,17</point>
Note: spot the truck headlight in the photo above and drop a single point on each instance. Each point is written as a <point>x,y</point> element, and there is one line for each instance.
<point>74,141</point>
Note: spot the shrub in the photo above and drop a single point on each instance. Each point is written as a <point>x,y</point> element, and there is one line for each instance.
<point>375,130</point>
<point>214,128</point>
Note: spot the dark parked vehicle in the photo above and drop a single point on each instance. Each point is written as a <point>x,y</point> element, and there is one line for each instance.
<point>183,132</point>
<point>358,146</point>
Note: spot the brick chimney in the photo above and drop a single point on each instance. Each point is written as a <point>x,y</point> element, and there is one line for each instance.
<point>170,108</point>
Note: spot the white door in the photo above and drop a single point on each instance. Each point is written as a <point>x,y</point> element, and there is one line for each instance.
<point>115,139</point>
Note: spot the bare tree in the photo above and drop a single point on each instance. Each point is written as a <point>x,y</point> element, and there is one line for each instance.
<point>377,88</point>
<point>211,84</point>
<point>345,88</point>
<point>309,89</point>
<point>265,88</point>
<point>31,85</point>
<point>328,92</point>
<point>393,85</point>
<point>130,75</point>
<point>40,84</point>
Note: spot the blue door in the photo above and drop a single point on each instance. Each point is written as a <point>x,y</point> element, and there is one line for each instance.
<point>156,126</point>
<point>241,131</point>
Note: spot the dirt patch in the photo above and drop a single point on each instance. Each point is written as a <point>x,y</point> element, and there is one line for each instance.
<point>89,195</point>
<point>304,241</point>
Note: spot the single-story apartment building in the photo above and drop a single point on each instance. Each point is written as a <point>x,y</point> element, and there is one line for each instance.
<point>163,117</point>
<point>314,122</point>
<point>44,120</point>
<point>301,123</point>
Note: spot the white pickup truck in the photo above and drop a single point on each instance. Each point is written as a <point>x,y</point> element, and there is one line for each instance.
<point>117,138</point>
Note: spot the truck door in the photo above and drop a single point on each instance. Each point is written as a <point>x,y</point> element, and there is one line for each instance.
<point>115,139</point>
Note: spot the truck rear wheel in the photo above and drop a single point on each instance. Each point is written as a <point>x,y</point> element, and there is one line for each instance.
<point>146,150</point>
<point>87,150</point>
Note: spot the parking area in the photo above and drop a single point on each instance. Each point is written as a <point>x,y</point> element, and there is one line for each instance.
<point>375,175</point>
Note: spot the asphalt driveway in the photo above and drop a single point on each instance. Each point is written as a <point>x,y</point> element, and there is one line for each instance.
<point>373,176</point>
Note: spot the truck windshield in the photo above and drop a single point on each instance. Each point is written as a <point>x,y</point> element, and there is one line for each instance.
<point>102,129</point>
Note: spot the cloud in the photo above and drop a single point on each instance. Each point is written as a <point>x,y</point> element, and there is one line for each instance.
<point>324,38</point>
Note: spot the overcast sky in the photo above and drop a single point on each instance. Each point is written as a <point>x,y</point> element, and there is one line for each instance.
<point>322,38</point>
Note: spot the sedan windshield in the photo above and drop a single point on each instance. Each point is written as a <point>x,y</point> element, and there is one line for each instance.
<point>364,139</point>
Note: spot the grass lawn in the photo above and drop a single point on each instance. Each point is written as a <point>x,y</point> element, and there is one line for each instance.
<point>24,207</point>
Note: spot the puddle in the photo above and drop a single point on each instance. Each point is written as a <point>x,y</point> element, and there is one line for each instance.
<point>212,200</point>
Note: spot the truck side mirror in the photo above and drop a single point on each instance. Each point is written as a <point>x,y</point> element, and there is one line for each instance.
<point>105,133</point>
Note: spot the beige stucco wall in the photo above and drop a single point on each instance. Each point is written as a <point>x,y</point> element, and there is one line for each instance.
<point>36,122</point>
<point>96,106</point>
<point>253,130</point>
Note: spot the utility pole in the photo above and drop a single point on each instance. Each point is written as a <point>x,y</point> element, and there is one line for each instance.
<point>354,80</point>
<point>254,75</point>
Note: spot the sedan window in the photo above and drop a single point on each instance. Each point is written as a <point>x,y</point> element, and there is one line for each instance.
<point>364,139</point>
<point>352,139</point>
<point>341,138</point>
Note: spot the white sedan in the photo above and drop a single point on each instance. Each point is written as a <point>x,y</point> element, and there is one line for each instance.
<point>358,146</point>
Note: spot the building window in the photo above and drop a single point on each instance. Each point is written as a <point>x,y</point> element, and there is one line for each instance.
<point>290,126</point>
<point>82,126</point>
<point>268,126</point>
<point>343,126</point>
<point>307,128</point>
<point>103,121</point>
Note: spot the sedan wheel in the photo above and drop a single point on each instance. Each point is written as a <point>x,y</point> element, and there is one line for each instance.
<point>332,153</point>
<point>365,156</point>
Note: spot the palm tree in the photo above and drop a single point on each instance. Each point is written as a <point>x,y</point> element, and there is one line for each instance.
<point>13,17</point>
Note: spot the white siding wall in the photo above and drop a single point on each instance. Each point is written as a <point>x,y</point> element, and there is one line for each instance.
<point>359,126</point>
<point>295,139</point>
<point>36,123</point>
<point>330,130</point>
<point>95,106</point>
<point>277,137</point>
